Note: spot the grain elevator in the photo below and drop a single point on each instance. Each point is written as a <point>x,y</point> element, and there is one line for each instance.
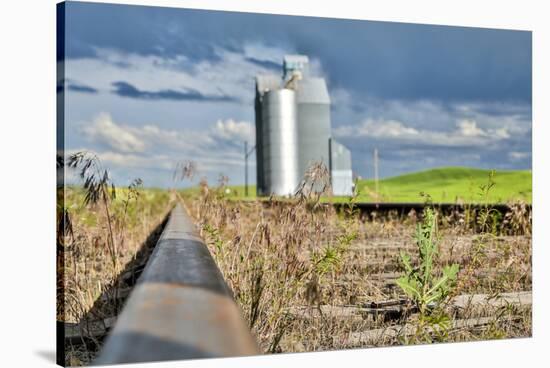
<point>293,130</point>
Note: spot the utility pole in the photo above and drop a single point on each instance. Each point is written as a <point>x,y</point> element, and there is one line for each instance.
<point>376,170</point>
<point>245,169</point>
<point>246,154</point>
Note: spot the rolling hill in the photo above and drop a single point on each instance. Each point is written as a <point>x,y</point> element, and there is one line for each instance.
<point>449,184</point>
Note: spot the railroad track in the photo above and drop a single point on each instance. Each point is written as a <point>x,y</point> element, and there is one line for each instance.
<point>179,308</point>
<point>405,208</point>
<point>177,305</point>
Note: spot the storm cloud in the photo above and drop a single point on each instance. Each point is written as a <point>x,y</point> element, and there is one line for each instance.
<point>385,59</point>
<point>125,89</point>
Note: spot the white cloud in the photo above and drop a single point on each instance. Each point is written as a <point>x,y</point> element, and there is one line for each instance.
<point>469,128</point>
<point>136,139</point>
<point>130,160</point>
<point>502,133</point>
<point>190,141</point>
<point>231,130</point>
<point>466,133</point>
<point>518,156</point>
<point>104,130</point>
<point>473,119</point>
<point>152,147</point>
<point>390,128</point>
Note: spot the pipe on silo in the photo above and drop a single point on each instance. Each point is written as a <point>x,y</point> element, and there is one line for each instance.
<point>280,137</point>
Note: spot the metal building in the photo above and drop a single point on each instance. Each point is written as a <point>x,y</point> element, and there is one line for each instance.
<point>340,169</point>
<point>293,130</point>
<point>313,123</point>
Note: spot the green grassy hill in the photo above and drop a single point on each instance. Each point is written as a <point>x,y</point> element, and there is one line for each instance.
<point>449,184</point>
<point>443,184</point>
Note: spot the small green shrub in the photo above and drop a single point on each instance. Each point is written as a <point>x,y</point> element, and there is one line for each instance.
<point>421,283</point>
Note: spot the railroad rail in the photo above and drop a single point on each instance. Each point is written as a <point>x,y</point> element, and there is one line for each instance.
<point>404,208</point>
<point>180,308</point>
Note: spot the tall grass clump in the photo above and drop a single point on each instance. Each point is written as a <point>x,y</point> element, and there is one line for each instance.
<point>102,230</point>
<point>98,187</point>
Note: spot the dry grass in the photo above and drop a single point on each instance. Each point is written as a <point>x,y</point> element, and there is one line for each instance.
<point>309,279</point>
<point>89,274</point>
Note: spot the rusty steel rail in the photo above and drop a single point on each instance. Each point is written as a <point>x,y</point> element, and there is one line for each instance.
<point>180,308</point>
<point>403,208</point>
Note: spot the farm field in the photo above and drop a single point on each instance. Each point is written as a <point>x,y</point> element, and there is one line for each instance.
<point>445,185</point>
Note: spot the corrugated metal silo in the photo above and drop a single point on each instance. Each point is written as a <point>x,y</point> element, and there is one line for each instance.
<point>264,83</point>
<point>280,142</point>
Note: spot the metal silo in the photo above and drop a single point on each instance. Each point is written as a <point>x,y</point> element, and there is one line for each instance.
<point>264,83</point>
<point>280,142</point>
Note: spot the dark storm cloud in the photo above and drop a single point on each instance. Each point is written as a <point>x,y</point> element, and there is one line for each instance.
<point>74,86</point>
<point>387,60</point>
<point>145,30</point>
<point>81,88</point>
<point>125,89</point>
<point>265,64</point>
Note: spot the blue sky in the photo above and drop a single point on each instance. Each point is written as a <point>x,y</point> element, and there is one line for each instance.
<point>147,87</point>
